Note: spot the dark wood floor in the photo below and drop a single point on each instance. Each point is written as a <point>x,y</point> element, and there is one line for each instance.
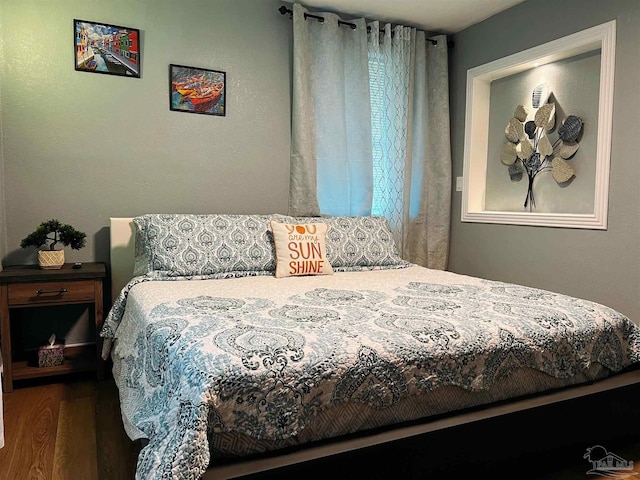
<point>66,431</point>
<point>73,431</point>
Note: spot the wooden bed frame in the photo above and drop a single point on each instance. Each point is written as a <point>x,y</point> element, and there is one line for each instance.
<point>122,260</point>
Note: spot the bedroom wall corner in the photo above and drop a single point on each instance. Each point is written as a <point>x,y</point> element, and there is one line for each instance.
<point>602,266</point>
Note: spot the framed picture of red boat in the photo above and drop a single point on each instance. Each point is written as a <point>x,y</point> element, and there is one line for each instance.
<point>105,48</point>
<point>197,90</point>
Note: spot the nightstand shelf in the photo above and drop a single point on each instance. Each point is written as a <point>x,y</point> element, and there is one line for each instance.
<point>24,287</point>
<point>83,362</point>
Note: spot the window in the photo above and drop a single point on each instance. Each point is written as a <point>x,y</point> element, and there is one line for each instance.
<point>379,139</point>
<point>388,85</point>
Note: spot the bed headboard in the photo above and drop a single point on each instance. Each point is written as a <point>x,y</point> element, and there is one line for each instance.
<point>121,252</point>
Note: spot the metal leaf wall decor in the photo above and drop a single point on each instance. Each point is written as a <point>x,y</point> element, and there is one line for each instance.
<point>529,150</point>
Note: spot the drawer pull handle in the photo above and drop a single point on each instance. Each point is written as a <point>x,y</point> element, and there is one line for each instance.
<point>61,290</point>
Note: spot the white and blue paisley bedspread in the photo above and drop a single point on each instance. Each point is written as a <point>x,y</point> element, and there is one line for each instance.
<point>261,356</point>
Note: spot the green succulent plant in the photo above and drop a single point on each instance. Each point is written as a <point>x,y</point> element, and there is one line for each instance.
<point>52,232</point>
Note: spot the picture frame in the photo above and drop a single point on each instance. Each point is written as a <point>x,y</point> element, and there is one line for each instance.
<point>106,48</point>
<point>600,39</point>
<point>197,90</point>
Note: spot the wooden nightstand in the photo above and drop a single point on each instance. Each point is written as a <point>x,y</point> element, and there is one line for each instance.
<point>30,286</point>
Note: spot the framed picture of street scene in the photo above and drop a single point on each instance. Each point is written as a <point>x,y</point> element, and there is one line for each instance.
<point>105,48</point>
<point>197,90</point>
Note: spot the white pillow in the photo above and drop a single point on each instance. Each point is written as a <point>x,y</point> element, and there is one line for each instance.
<point>301,249</point>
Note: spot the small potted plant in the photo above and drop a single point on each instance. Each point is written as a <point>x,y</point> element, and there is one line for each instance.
<point>50,234</point>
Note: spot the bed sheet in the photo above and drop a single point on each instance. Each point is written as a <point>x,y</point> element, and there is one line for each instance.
<point>264,357</point>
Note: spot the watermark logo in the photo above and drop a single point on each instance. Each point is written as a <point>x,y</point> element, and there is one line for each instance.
<point>608,464</point>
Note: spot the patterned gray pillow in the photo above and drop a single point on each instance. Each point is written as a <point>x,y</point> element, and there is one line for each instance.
<point>190,245</point>
<point>357,243</point>
<point>142,262</point>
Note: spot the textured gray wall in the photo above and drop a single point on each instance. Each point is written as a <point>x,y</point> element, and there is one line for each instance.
<point>603,266</point>
<point>83,147</point>
<point>3,233</point>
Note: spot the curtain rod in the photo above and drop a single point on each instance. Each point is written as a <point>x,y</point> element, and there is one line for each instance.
<point>284,10</point>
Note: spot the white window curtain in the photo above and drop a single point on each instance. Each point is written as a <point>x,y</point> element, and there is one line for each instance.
<point>371,129</point>
<point>331,170</point>
<point>390,82</point>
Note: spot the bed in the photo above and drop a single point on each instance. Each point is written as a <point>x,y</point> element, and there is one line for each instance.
<point>226,367</point>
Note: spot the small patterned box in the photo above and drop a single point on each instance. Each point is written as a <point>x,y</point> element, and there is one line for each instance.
<point>51,355</point>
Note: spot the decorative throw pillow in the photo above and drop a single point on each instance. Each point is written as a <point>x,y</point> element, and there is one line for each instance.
<point>301,249</point>
<point>178,245</point>
<point>142,263</point>
<point>357,243</point>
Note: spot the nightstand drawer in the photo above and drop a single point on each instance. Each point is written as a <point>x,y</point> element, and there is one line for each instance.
<point>67,291</point>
